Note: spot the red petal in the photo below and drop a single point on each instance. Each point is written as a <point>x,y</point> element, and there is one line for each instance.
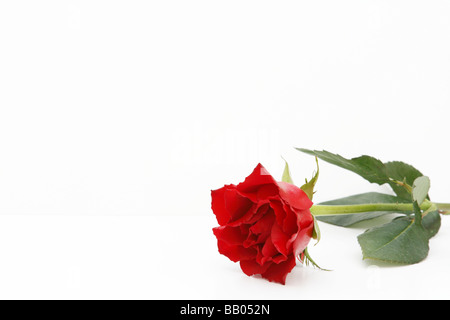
<point>246,217</point>
<point>295,196</point>
<point>260,176</point>
<point>268,251</point>
<point>277,207</point>
<point>262,209</point>
<point>236,253</point>
<point>218,204</point>
<point>251,267</point>
<point>304,218</point>
<point>231,235</point>
<point>264,225</point>
<point>267,191</point>
<point>235,204</point>
<point>278,272</point>
<point>289,225</point>
<point>303,235</point>
<point>279,239</point>
<point>279,258</point>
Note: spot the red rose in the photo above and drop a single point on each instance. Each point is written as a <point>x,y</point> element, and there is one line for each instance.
<point>264,224</point>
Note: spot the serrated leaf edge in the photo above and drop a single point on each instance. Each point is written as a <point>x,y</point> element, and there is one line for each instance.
<point>365,256</point>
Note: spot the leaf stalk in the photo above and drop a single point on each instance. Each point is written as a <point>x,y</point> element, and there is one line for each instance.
<point>327,210</point>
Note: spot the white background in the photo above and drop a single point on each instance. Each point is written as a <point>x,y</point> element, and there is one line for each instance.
<point>117,118</point>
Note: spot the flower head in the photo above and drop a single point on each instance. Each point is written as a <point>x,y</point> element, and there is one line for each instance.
<point>264,224</point>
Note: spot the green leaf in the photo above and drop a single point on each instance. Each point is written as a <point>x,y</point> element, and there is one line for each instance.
<point>417,213</point>
<point>400,241</point>
<point>367,167</point>
<point>286,174</point>
<point>401,171</point>
<point>420,190</point>
<point>345,220</point>
<point>421,186</point>
<point>373,170</point>
<point>432,223</point>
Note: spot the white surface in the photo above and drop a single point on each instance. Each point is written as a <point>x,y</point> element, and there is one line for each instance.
<point>148,257</point>
<point>117,117</point>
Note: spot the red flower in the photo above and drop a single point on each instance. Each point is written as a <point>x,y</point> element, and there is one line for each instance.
<point>264,224</point>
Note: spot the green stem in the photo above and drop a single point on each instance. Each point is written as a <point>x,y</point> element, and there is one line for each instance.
<point>324,210</point>
<point>443,207</point>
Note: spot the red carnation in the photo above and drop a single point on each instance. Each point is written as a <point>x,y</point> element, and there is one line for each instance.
<point>264,224</point>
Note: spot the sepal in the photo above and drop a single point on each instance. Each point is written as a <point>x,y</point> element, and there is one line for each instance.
<point>305,258</point>
<point>308,187</point>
